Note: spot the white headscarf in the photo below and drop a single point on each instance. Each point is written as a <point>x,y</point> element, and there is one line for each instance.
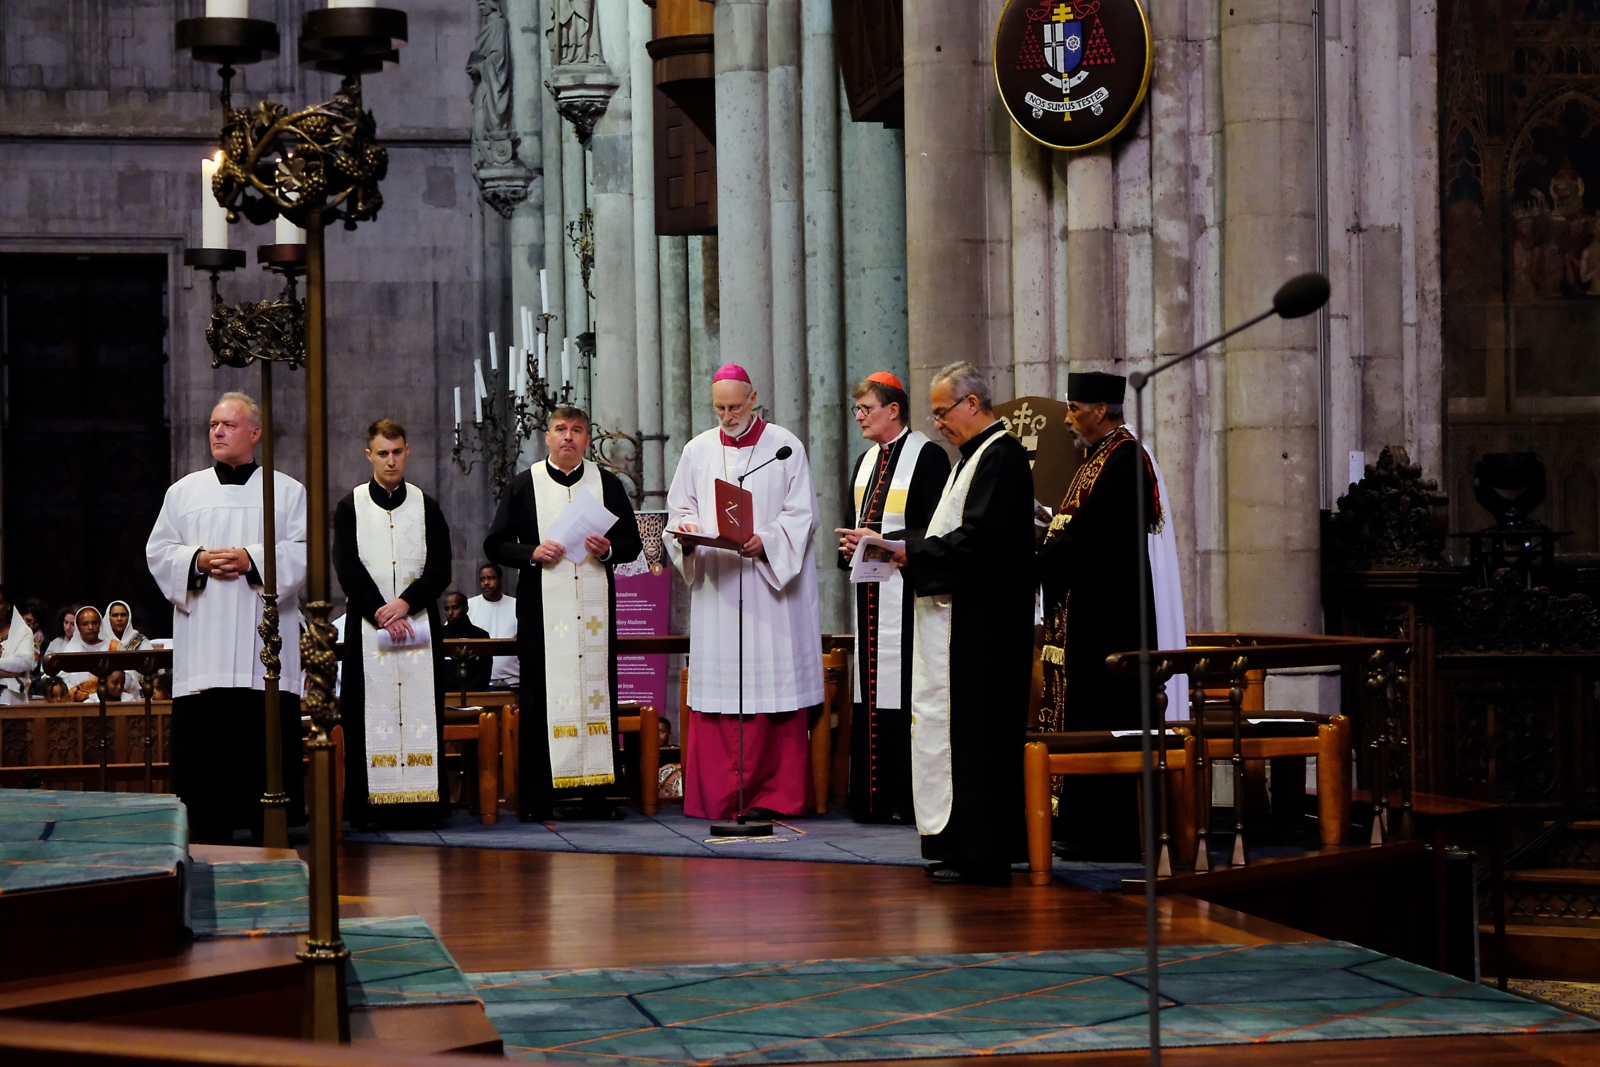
<point>78,644</point>
<point>14,650</point>
<point>131,639</point>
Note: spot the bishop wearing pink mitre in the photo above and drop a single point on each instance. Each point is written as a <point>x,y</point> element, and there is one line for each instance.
<point>782,618</point>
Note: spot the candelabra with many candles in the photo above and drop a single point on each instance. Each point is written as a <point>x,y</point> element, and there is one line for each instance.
<point>307,168</point>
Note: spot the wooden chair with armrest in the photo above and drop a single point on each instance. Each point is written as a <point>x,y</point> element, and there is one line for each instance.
<point>1221,664</point>
<point>1101,752</point>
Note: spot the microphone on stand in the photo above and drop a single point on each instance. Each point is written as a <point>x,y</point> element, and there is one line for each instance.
<point>783,453</point>
<point>1295,298</point>
<point>742,826</point>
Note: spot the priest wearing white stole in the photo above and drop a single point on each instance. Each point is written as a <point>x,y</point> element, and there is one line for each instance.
<point>391,551</point>
<point>566,624</point>
<point>1088,568</point>
<point>204,553</point>
<point>973,574</point>
<point>782,614</point>
<point>897,485</point>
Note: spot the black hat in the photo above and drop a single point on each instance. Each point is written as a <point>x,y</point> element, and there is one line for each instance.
<point>1093,387</point>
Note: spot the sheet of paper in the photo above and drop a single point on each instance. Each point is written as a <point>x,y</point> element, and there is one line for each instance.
<point>420,637</point>
<point>584,517</point>
<point>873,560</point>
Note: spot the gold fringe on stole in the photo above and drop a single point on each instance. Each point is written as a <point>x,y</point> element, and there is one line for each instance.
<point>431,796</point>
<point>1054,654</point>
<point>585,779</point>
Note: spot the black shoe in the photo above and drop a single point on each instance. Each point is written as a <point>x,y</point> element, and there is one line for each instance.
<point>990,876</point>
<point>536,815</point>
<point>763,815</point>
<point>933,867</point>
<point>900,818</point>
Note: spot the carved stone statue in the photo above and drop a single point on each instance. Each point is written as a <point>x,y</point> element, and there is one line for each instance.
<point>501,177</point>
<point>489,67</point>
<point>572,32</point>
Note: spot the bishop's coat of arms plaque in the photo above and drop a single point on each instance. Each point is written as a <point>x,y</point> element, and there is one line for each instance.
<point>1072,73</point>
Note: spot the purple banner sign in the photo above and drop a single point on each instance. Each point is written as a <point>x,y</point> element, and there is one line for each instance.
<point>644,594</point>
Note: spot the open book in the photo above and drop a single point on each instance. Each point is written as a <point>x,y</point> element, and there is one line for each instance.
<point>735,524</point>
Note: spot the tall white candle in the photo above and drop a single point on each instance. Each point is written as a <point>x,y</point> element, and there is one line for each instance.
<point>477,409</point>
<point>494,358</point>
<point>477,379</point>
<point>541,358</point>
<point>227,9</point>
<point>522,323</point>
<point>566,362</point>
<point>285,232</point>
<point>458,407</point>
<point>213,218</point>
<point>520,361</point>
<point>544,292</point>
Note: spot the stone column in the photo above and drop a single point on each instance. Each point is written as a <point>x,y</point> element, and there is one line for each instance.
<point>1383,154</point>
<point>705,329</point>
<point>872,179</point>
<point>556,255</point>
<point>613,381</point>
<point>676,400</point>
<point>1269,217</point>
<point>830,432</point>
<point>1091,255</point>
<point>577,315</point>
<point>647,292</point>
<point>947,86</point>
<point>1032,295</point>
<point>788,401</point>
<point>744,208</point>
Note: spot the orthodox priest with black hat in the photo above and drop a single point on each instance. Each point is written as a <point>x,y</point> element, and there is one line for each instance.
<point>391,550</point>
<point>896,485</point>
<point>973,575</point>
<point>204,552</point>
<point>566,624</point>
<point>1088,570</point>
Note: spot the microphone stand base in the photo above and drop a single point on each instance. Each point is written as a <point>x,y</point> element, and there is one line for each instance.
<point>742,828</point>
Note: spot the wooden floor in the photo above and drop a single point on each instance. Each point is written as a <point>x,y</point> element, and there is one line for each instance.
<point>516,910</point>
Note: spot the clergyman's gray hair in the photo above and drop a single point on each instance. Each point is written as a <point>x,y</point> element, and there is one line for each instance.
<point>964,378</point>
<point>247,401</point>
<point>1114,411</point>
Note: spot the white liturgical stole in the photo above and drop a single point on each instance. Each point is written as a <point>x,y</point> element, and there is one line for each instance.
<point>931,788</point>
<point>892,590</point>
<point>577,646</point>
<point>401,717</point>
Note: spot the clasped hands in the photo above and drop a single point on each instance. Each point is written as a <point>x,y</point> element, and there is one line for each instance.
<point>393,617</point>
<point>224,563</point>
<point>751,549</point>
<point>555,551</point>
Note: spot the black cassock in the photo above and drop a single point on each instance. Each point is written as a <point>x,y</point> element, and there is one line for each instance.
<point>880,738</point>
<point>1089,567</point>
<point>513,536</point>
<point>986,567</point>
<point>363,601</point>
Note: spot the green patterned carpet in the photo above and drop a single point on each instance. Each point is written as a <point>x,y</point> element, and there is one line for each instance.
<point>52,838</point>
<point>400,962</point>
<point>925,1006</point>
<point>249,898</point>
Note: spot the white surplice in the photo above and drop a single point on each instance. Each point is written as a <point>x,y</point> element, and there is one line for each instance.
<point>17,656</point>
<point>499,618</point>
<point>1166,588</point>
<point>782,615</point>
<point>216,645</point>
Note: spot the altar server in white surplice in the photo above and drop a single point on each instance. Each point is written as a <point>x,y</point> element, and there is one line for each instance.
<point>391,550</point>
<point>782,616</point>
<point>204,553</point>
<point>566,624</point>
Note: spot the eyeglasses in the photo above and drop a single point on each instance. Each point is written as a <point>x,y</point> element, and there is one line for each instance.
<point>861,411</point>
<point>939,416</point>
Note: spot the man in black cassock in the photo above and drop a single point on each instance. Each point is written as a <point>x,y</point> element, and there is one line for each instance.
<point>469,673</point>
<point>391,551</point>
<point>566,625</point>
<point>897,483</point>
<point>973,574</point>
<point>1087,567</point>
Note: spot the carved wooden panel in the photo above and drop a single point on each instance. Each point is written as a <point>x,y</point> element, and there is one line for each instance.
<point>868,35</point>
<point>686,172</point>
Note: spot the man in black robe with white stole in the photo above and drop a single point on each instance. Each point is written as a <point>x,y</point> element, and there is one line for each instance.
<point>391,550</point>
<point>897,483</point>
<point>973,574</point>
<point>1088,569</point>
<point>566,625</point>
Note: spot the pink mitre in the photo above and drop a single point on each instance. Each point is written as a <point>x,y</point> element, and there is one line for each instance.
<point>731,372</point>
